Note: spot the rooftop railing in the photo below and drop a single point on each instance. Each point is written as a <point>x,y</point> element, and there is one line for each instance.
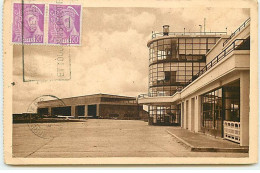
<point>235,45</point>
<point>161,94</point>
<point>160,34</point>
<point>237,31</point>
<point>142,96</point>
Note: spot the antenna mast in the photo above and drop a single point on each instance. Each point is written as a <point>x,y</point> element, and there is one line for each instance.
<point>204,26</point>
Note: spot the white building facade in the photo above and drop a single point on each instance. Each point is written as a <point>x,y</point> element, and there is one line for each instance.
<point>200,81</point>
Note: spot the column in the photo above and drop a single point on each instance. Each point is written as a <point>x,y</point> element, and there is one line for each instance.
<point>189,114</point>
<point>86,111</point>
<point>185,120</point>
<point>49,111</point>
<point>73,112</point>
<point>98,107</point>
<point>182,114</point>
<point>244,108</point>
<point>192,112</point>
<point>154,114</point>
<point>197,114</point>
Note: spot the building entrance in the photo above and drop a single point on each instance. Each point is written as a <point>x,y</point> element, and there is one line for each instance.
<point>61,111</point>
<point>92,110</point>
<point>80,110</point>
<point>219,106</point>
<point>212,118</point>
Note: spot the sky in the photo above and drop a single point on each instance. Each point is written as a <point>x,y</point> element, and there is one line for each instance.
<point>113,55</point>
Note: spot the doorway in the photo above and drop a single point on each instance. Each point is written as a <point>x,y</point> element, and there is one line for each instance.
<point>92,110</point>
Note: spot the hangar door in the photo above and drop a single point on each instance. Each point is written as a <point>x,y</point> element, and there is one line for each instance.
<point>92,110</point>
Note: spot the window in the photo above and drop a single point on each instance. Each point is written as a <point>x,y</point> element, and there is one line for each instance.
<point>212,110</point>
<point>184,56</point>
<point>232,103</point>
<point>220,105</point>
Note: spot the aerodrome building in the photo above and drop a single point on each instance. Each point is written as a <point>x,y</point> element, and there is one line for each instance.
<point>200,81</point>
<point>93,106</point>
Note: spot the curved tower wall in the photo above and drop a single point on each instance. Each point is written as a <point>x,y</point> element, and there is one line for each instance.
<point>172,63</point>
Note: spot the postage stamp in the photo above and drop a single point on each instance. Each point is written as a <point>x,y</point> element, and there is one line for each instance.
<point>64,24</point>
<point>28,23</point>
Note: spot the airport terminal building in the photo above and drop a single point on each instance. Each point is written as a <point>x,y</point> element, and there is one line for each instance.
<point>93,106</point>
<point>200,81</point>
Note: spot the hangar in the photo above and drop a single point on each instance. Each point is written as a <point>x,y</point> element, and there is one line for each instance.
<point>93,106</point>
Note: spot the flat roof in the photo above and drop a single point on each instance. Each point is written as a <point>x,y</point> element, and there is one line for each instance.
<point>96,95</point>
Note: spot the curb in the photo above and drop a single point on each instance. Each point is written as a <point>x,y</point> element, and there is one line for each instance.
<point>208,149</point>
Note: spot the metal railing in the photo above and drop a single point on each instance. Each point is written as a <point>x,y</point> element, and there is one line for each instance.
<point>154,94</point>
<point>237,31</point>
<point>233,46</point>
<point>142,96</point>
<point>160,34</point>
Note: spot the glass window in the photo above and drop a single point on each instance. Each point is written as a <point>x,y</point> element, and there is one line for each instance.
<point>212,110</point>
<point>232,103</point>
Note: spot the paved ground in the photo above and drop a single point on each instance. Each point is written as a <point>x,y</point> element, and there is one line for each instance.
<point>101,138</point>
<point>202,142</point>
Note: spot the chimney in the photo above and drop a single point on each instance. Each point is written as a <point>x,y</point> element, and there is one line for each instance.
<point>166,30</point>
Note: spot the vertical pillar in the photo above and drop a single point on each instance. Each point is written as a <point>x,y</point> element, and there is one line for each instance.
<point>186,114</point>
<point>244,108</point>
<point>73,112</point>
<point>49,111</point>
<point>86,111</point>
<point>98,110</point>
<point>197,114</point>
<point>192,116</point>
<point>189,114</point>
<point>154,110</point>
<point>182,114</point>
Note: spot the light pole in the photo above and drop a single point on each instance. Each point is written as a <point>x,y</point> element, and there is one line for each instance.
<point>204,26</point>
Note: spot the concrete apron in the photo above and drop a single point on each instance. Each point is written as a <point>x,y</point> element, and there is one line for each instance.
<point>208,149</point>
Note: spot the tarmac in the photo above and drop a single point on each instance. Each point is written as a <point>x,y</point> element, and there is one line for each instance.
<point>102,138</point>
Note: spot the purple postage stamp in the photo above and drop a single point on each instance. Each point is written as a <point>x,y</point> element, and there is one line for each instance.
<point>64,24</point>
<point>28,23</point>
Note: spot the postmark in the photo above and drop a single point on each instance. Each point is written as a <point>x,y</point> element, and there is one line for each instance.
<point>28,23</point>
<point>64,24</point>
<point>44,63</point>
<point>42,126</point>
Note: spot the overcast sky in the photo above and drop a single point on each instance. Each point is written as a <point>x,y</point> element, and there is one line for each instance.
<point>113,57</point>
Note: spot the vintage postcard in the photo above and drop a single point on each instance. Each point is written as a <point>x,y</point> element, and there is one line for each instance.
<point>130,82</point>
